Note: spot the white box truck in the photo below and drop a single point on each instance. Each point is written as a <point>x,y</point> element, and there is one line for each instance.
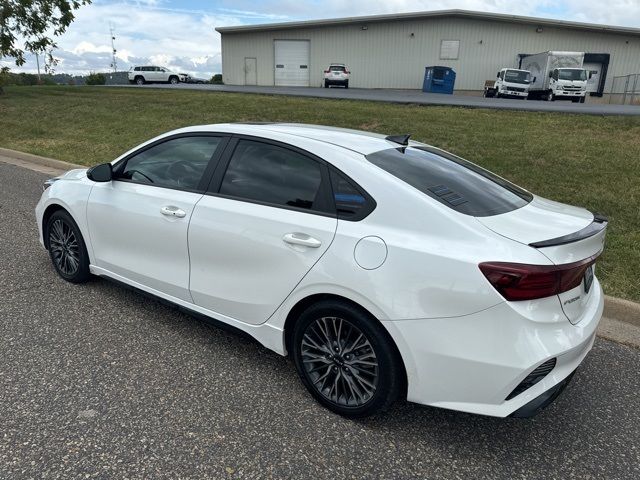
<point>510,82</point>
<point>557,75</point>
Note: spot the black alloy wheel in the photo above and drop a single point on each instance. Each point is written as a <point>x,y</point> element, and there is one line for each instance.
<point>66,248</point>
<point>346,359</point>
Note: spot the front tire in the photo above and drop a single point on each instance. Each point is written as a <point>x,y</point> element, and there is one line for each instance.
<point>174,80</point>
<point>67,249</point>
<point>346,359</point>
<point>582,99</point>
<point>550,96</point>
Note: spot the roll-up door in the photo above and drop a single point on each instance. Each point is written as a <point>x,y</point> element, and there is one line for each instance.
<point>291,63</point>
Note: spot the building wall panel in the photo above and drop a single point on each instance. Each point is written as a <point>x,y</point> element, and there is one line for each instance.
<point>393,54</point>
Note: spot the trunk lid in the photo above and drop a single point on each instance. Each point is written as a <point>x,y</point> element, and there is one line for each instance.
<point>562,233</point>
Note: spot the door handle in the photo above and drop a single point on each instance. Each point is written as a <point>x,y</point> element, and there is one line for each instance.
<point>301,239</point>
<point>171,211</point>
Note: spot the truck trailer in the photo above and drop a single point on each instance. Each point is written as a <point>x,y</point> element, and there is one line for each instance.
<point>556,75</point>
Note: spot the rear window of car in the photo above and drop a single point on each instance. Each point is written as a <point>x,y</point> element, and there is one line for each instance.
<point>336,68</point>
<point>452,181</point>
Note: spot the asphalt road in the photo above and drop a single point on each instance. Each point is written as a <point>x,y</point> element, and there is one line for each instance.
<point>97,381</point>
<point>415,97</point>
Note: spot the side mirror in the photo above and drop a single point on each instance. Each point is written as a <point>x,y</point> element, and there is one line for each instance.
<point>550,74</point>
<point>100,173</point>
<point>533,80</point>
<point>590,75</point>
<point>498,75</point>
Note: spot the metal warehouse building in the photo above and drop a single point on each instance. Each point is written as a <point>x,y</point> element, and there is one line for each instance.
<point>392,51</point>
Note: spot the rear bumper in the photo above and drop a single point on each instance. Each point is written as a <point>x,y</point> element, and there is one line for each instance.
<point>336,81</point>
<point>541,402</point>
<point>473,363</point>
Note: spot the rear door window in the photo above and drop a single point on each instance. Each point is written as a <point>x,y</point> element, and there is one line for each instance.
<point>452,181</point>
<point>267,173</point>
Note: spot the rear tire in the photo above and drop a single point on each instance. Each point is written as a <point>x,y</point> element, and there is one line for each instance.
<point>326,84</point>
<point>346,359</point>
<point>67,249</point>
<point>139,80</point>
<point>346,84</point>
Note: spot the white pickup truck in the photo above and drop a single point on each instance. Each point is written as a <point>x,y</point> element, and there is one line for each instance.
<point>559,75</point>
<point>510,82</point>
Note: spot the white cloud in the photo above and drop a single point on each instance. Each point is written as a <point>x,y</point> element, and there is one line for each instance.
<point>614,12</point>
<point>156,31</point>
<point>146,32</point>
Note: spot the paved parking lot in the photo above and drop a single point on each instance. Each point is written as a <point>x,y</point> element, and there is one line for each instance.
<point>98,381</point>
<point>416,97</point>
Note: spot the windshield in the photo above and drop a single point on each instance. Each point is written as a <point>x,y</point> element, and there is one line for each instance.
<point>572,74</point>
<point>452,181</point>
<point>517,76</point>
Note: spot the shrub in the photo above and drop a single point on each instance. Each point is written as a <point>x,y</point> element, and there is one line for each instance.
<point>217,79</point>
<point>95,79</point>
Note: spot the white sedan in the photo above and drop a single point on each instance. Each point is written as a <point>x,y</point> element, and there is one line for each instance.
<point>384,267</point>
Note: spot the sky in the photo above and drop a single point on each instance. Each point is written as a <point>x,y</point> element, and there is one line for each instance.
<point>181,34</point>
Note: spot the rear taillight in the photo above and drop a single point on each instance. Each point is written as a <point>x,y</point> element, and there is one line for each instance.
<point>519,281</point>
<point>326,71</point>
<point>347,72</point>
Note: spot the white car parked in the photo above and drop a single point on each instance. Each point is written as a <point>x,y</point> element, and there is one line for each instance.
<point>385,267</point>
<point>337,74</point>
<point>153,74</point>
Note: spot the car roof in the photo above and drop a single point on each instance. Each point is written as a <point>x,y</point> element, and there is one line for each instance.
<point>356,140</point>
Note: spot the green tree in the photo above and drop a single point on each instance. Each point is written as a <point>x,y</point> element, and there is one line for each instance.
<point>30,25</point>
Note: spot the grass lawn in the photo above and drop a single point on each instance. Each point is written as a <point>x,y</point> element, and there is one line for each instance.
<point>582,160</point>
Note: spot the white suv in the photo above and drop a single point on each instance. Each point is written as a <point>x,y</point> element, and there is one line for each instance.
<point>150,74</point>
<point>337,74</point>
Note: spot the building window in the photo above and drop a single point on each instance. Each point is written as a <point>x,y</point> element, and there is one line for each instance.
<point>449,49</point>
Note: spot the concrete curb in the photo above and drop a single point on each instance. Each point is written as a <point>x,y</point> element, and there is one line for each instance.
<point>622,310</point>
<point>38,160</point>
<point>614,308</point>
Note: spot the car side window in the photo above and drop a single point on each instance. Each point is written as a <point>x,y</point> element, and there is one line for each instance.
<point>177,163</point>
<point>351,202</point>
<point>272,174</point>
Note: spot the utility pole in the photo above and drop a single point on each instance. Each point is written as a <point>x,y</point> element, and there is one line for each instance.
<point>38,63</point>
<point>114,63</point>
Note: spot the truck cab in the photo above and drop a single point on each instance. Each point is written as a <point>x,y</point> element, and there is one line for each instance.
<point>511,82</point>
<point>568,83</point>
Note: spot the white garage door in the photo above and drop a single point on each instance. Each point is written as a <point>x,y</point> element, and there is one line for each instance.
<point>292,63</point>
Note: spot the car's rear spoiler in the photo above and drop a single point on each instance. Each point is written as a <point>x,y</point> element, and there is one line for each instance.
<point>599,223</point>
